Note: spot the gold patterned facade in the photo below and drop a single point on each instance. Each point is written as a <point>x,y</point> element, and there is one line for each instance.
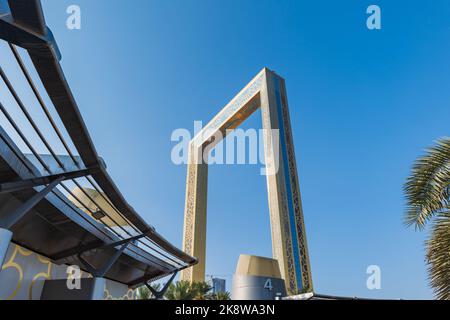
<point>24,272</point>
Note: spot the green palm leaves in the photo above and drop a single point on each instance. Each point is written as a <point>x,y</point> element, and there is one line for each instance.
<point>438,256</point>
<point>427,192</point>
<point>222,296</point>
<point>427,189</point>
<point>184,290</point>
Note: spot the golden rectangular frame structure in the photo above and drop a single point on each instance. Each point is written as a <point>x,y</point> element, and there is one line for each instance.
<point>289,245</point>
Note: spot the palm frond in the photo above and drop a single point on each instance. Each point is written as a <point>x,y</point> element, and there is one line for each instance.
<point>143,293</point>
<point>438,256</point>
<point>185,290</point>
<point>221,296</point>
<point>427,189</point>
<point>181,290</point>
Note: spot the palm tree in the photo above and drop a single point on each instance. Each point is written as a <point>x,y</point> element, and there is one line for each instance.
<point>428,201</point>
<point>202,290</point>
<point>184,290</point>
<point>181,290</point>
<point>221,296</point>
<point>143,293</point>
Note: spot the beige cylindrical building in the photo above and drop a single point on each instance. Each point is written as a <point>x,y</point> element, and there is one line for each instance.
<point>257,278</point>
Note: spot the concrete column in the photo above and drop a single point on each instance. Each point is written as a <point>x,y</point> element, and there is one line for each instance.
<point>98,288</point>
<point>5,240</point>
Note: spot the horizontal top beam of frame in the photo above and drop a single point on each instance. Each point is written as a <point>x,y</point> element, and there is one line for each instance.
<point>232,114</point>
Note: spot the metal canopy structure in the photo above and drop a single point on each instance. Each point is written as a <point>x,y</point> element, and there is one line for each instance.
<point>35,188</point>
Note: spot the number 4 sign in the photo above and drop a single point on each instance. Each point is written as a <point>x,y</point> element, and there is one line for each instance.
<point>268,285</point>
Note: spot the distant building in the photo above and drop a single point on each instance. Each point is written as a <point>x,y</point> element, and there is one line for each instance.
<point>219,285</point>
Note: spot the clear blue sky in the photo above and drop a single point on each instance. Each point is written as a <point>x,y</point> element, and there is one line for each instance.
<point>364,104</point>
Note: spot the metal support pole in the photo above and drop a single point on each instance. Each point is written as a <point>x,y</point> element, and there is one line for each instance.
<point>99,282</point>
<point>5,240</point>
<point>160,294</point>
<point>98,288</point>
<point>101,272</point>
<point>10,220</point>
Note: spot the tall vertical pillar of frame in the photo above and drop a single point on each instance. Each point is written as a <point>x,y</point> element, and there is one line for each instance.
<point>194,236</point>
<point>289,243</point>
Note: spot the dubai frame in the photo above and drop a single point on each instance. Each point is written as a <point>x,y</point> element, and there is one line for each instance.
<point>289,246</point>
